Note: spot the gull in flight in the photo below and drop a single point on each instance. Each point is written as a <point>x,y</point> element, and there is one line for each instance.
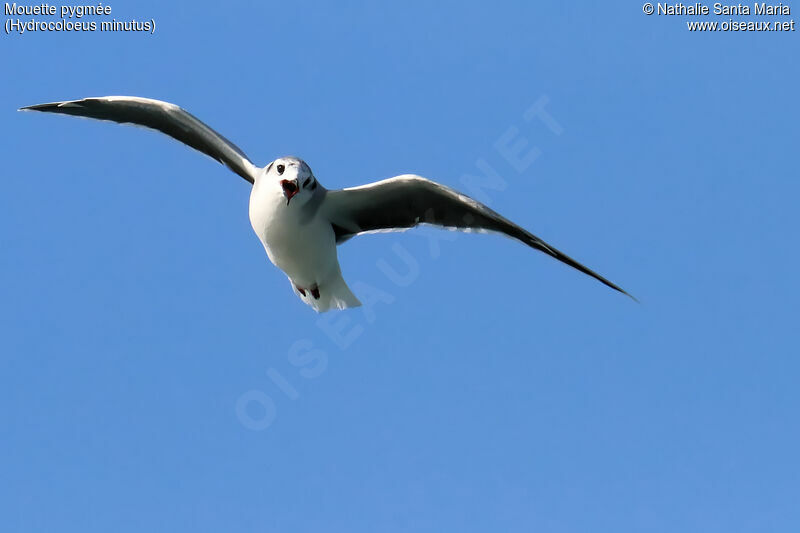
<point>299,221</point>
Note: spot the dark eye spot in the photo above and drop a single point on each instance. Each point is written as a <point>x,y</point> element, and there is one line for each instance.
<point>281,168</point>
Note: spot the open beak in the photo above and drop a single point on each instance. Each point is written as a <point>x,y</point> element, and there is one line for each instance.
<point>290,188</point>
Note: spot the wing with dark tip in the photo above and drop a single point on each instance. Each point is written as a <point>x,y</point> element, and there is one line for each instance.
<point>161,116</point>
<point>407,201</point>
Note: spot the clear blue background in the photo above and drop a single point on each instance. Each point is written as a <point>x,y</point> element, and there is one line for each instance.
<point>499,390</point>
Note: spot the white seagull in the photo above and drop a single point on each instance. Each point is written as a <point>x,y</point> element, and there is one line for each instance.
<point>299,222</point>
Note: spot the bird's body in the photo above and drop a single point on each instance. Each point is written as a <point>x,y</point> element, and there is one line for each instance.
<point>299,222</point>
<point>304,247</point>
<point>301,242</point>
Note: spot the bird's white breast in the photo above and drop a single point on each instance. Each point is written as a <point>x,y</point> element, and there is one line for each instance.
<point>303,246</point>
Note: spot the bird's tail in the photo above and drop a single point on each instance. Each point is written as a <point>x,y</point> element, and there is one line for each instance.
<point>333,294</point>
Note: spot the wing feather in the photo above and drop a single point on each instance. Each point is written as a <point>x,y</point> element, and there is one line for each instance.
<point>161,116</point>
<point>406,201</point>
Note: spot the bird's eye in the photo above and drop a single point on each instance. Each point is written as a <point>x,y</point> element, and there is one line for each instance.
<point>281,168</point>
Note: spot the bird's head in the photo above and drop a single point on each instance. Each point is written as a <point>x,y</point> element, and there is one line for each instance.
<point>293,178</point>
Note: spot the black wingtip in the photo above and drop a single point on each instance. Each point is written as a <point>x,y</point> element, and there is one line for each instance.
<point>629,295</point>
<point>49,106</point>
<point>37,107</point>
<point>607,283</point>
<point>537,243</point>
<point>614,286</point>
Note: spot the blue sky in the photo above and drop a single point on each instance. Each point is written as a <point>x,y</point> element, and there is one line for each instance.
<point>159,374</point>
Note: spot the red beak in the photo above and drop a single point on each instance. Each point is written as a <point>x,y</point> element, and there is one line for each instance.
<point>290,188</point>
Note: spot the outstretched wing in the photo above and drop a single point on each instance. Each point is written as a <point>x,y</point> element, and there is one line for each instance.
<point>406,201</point>
<point>161,116</point>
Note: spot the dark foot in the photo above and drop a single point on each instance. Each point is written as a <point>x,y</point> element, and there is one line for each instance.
<point>300,290</point>
<point>315,292</point>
